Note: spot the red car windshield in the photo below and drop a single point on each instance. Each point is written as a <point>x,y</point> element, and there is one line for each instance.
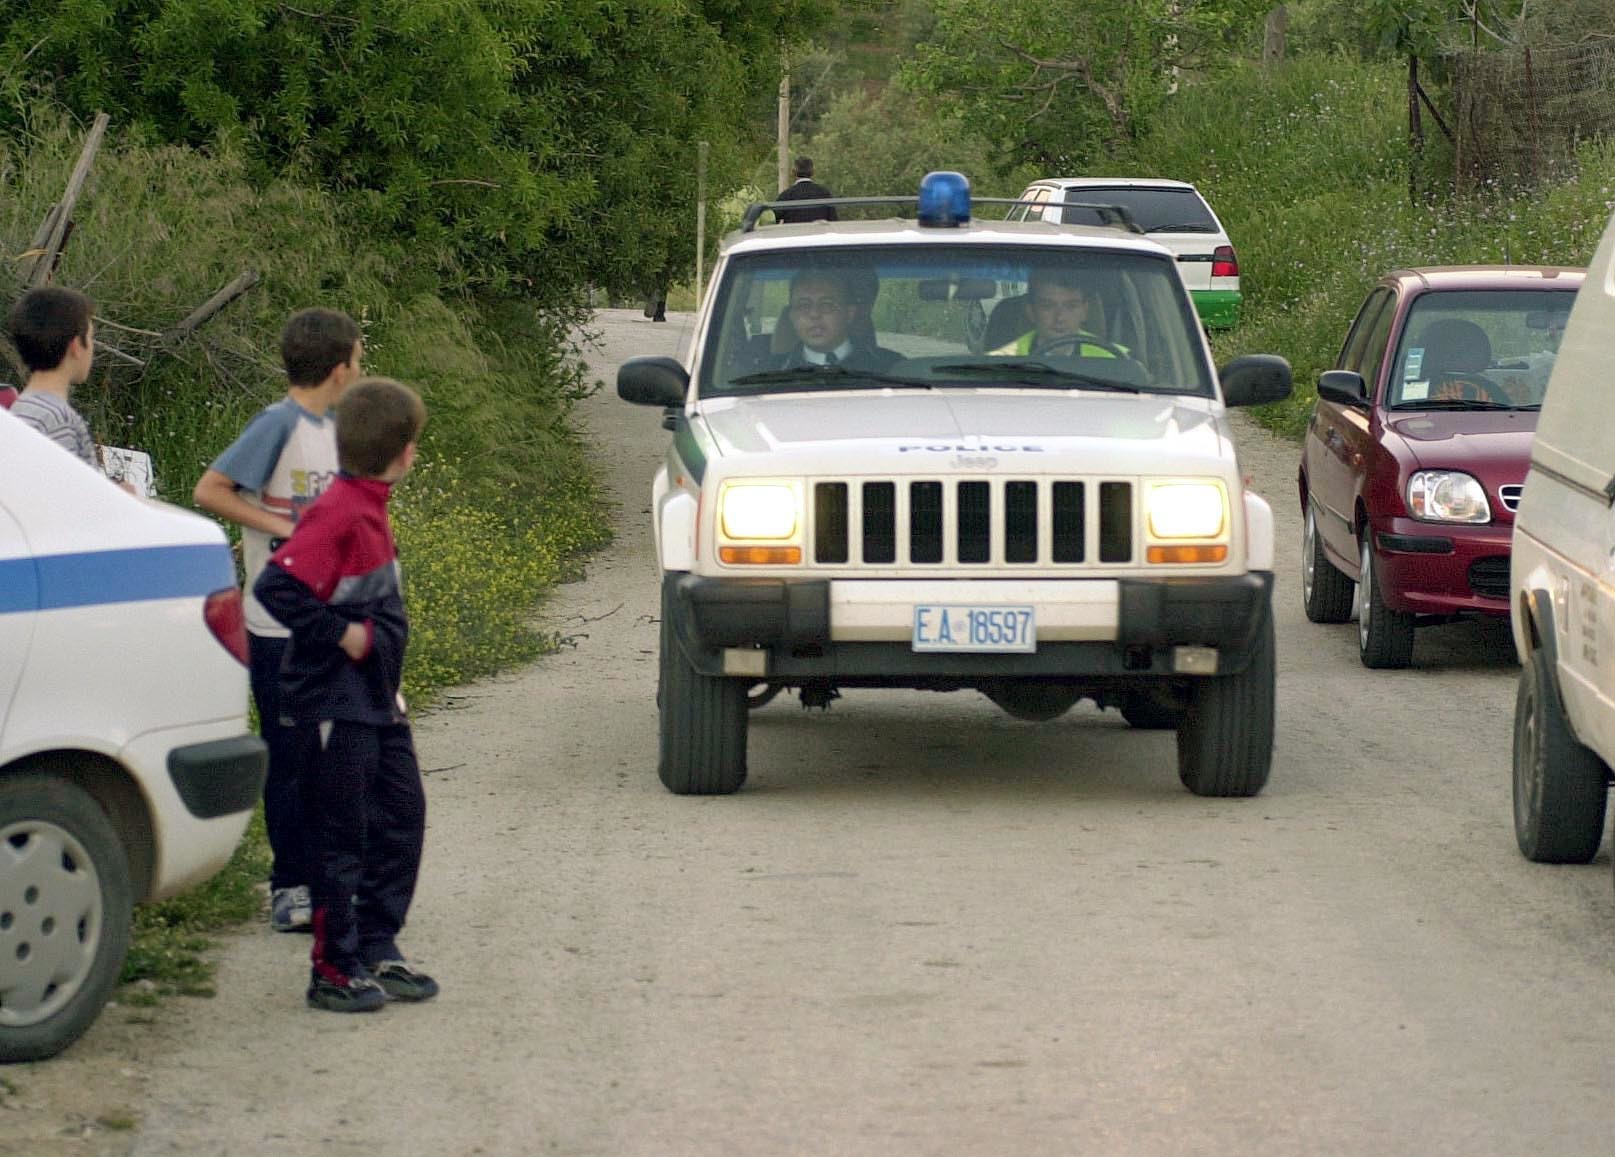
<point>1480,349</point>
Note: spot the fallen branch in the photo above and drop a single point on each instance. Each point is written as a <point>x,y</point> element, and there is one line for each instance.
<point>180,333</point>
<point>117,353</point>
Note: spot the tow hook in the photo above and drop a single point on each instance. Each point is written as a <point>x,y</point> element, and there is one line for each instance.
<point>818,695</point>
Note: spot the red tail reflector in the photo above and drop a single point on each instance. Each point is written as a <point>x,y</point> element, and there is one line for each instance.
<point>226,616</point>
<point>1223,262</point>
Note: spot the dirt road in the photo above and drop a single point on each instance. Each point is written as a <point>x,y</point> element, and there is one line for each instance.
<point>922,928</point>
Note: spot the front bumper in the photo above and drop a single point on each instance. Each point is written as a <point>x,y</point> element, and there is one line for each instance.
<point>858,631</point>
<point>1429,568</point>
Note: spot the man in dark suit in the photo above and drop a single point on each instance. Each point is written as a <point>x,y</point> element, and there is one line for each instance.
<point>823,313</point>
<point>805,189</point>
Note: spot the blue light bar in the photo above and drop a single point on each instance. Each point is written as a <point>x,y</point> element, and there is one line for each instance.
<point>944,200</point>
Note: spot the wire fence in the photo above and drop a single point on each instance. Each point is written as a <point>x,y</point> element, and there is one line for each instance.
<point>1522,114</point>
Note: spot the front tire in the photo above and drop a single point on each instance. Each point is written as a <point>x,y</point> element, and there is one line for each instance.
<point>65,906</point>
<point>1384,636</point>
<point>1225,742</point>
<point>703,723</point>
<point>1325,592</point>
<point>1560,786</point>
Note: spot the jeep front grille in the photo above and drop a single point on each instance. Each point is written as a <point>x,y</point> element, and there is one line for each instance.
<point>972,522</point>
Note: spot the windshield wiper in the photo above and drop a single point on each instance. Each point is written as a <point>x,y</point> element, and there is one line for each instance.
<point>1458,404</point>
<point>1182,227</point>
<point>826,375</point>
<point>1022,371</point>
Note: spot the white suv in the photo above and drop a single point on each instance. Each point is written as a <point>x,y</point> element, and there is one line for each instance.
<point>127,772</point>
<point>1171,212</point>
<point>1562,590</point>
<point>1047,525</point>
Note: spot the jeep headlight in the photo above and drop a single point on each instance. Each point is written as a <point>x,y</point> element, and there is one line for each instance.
<point>760,523</point>
<point>1187,521</point>
<point>1447,496</point>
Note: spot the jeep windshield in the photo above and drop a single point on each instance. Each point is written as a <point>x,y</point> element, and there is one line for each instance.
<point>928,316</point>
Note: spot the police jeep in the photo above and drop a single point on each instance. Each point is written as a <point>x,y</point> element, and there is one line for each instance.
<point>962,495</point>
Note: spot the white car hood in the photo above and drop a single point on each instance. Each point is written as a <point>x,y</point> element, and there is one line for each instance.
<point>1036,431</point>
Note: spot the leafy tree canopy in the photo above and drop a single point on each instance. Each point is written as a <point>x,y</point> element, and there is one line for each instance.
<point>1056,89</point>
<point>532,145</point>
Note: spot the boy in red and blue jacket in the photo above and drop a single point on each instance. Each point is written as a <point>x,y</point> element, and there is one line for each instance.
<point>335,585</point>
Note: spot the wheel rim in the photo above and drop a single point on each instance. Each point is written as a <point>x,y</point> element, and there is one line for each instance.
<point>1309,558</point>
<point>1365,593</point>
<point>51,915</point>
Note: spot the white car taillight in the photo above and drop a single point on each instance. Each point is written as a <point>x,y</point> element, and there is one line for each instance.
<point>1223,262</point>
<point>225,615</point>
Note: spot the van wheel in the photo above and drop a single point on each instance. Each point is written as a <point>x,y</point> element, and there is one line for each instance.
<point>1225,742</point>
<point>703,724</point>
<point>1384,636</point>
<point>1325,592</point>
<point>1559,785</point>
<point>65,906</point>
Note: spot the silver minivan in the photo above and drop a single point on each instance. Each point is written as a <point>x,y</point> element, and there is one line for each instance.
<point>1562,589</point>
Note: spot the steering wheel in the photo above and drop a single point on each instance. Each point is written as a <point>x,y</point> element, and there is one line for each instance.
<point>1466,390</point>
<point>1071,346</point>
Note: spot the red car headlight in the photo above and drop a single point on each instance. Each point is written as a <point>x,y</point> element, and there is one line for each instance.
<point>1447,496</point>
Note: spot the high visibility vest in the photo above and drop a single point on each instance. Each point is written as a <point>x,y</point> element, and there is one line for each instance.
<point>1022,346</point>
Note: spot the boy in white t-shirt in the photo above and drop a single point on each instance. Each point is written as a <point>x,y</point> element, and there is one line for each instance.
<point>282,462</point>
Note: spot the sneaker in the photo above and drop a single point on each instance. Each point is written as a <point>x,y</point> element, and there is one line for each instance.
<point>350,994</point>
<point>291,910</point>
<point>404,982</point>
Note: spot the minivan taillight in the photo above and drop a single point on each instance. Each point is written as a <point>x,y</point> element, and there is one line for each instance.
<point>1223,262</point>
<point>226,617</point>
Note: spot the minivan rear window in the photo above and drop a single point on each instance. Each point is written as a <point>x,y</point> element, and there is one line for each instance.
<point>1155,210</point>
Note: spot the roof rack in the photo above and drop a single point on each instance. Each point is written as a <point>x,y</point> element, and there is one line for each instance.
<point>1110,216</point>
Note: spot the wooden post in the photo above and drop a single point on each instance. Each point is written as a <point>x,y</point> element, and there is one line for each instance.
<point>700,216</point>
<point>46,261</point>
<point>784,119</point>
<point>1278,23</point>
<point>1536,129</point>
<point>1415,131</point>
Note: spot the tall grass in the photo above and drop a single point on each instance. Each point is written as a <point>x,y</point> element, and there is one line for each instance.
<point>1307,165</point>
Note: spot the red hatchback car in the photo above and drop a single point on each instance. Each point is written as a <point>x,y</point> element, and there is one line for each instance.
<point>1417,450</point>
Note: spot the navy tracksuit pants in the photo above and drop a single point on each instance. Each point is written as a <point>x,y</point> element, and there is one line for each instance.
<point>366,809</point>
<point>288,745</point>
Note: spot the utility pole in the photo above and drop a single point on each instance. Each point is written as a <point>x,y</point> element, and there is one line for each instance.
<point>700,215</point>
<point>784,119</point>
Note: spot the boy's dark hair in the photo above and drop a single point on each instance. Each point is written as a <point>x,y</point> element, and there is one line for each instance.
<point>315,342</point>
<point>44,322</point>
<point>375,420</point>
<point>803,167</point>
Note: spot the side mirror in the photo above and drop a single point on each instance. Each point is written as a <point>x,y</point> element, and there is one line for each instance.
<point>1343,386</point>
<point>653,381</point>
<point>1255,380</point>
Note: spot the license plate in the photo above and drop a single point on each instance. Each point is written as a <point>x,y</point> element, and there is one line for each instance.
<point>965,627</point>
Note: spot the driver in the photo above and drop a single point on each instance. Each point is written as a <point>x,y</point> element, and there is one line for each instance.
<point>1058,304</point>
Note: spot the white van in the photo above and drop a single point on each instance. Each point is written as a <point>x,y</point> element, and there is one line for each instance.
<point>1562,588</point>
<point>127,770</point>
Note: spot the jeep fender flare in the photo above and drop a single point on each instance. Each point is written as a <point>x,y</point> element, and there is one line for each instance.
<point>1259,541</point>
